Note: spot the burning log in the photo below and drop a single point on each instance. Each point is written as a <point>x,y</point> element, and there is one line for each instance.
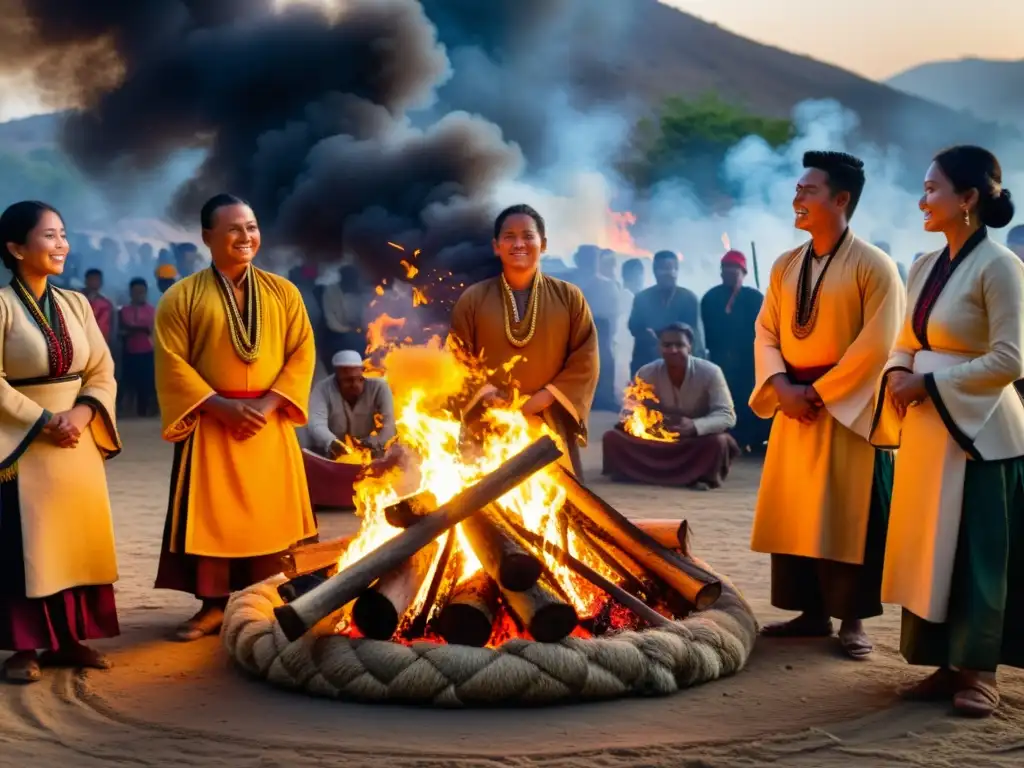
<point>379,610</point>
<point>669,533</point>
<point>634,578</point>
<point>617,593</point>
<point>409,510</point>
<point>308,558</point>
<point>447,571</point>
<point>542,611</point>
<point>468,618</point>
<point>695,584</point>
<point>301,615</point>
<point>501,551</point>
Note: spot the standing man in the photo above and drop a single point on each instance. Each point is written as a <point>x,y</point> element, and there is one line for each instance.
<point>540,325</point>
<point>602,296</point>
<point>1015,240</point>
<point>135,324</point>
<point>659,306</point>
<point>728,312</point>
<point>234,367</point>
<point>102,307</point>
<point>832,312</point>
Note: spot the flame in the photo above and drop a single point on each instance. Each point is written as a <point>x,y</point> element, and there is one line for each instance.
<point>617,236</point>
<point>410,270</point>
<point>641,420</point>
<point>725,241</point>
<point>396,246</point>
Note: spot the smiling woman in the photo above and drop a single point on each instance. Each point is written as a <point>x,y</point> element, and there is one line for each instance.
<point>57,394</point>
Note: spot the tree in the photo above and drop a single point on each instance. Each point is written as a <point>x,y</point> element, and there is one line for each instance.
<point>689,139</point>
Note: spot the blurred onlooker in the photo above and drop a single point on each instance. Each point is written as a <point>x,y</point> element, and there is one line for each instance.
<point>633,275</point>
<point>166,276</point>
<point>602,296</point>
<point>1015,240</point>
<point>135,323</point>
<point>659,306</point>
<point>344,308</point>
<point>102,307</point>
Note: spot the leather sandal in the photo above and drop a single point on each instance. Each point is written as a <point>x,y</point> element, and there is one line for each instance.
<point>22,667</point>
<point>976,698</point>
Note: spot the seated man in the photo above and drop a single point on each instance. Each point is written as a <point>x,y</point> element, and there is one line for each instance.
<point>690,395</point>
<point>351,420</point>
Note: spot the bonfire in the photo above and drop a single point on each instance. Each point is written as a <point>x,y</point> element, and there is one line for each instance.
<point>472,532</point>
<point>643,419</point>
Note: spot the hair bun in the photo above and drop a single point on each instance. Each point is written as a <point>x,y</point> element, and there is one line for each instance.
<point>996,212</point>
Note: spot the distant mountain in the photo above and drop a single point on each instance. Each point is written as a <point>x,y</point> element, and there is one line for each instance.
<point>990,90</point>
<point>30,132</point>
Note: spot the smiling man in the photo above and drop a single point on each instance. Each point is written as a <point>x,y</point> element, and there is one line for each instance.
<point>234,365</point>
<point>539,326</point>
<point>831,314</point>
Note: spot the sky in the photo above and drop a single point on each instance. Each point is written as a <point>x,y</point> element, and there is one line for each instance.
<point>874,38</point>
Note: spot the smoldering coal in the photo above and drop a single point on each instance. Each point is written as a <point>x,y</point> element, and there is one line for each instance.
<point>305,115</point>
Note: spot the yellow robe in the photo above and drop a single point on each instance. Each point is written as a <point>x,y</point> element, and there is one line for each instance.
<point>562,356</point>
<point>238,498</point>
<point>815,492</point>
<point>66,525</point>
<point>976,351</point>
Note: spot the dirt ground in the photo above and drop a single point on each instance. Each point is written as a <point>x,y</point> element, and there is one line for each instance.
<point>798,703</point>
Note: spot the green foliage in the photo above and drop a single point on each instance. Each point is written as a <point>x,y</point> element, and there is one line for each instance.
<point>42,174</point>
<point>689,138</point>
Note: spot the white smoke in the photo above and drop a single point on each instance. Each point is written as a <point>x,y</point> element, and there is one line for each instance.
<point>576,195</point>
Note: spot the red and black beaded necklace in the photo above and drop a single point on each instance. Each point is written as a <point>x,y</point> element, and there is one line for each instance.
<point>942,271</point>
<point>59,350</point>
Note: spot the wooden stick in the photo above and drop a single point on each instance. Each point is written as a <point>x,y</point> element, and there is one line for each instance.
<point>542,611</point>
<point>446,572</point>
<point>307,558</point>
<point>671,534</point>
<point>695,584</point>
<point>634,578</point>
<point>614,591</point>
<point>468,617</point>
<point>379,610</point>
<point>301,615</point>
<point>501,551</point>
<point>409,510</point>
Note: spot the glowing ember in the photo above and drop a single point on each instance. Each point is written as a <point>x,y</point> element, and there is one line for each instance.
<point>725,241</point>
<point>641,420</point>
<point>617,236</point>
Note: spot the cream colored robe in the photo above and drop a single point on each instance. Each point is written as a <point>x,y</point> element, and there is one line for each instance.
<point>66,524</point>
<point>975,337</point>
<point>562,357</point>
<point>815,492</point>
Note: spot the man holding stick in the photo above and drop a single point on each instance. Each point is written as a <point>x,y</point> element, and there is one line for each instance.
<point>831,314</point>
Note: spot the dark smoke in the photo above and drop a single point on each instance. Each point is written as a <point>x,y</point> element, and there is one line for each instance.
<point>307,118</point>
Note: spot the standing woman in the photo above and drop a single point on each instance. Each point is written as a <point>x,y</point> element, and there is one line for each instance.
<point>57,394</point>
<point>955,553</point>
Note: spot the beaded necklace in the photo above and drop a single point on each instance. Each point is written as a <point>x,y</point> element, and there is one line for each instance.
<point>246,332</point>
<point>512,311</point>
<point>59,350</point>
<point>807,296</point>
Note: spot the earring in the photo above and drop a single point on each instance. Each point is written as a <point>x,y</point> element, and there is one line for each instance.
<point>967,217</point>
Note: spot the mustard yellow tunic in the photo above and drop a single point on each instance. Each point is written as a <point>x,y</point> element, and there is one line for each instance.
<point>562,356</point>
<point>975,352</point>
<point>240,498</point>
<point>66,524</point>
<point>815,491</point>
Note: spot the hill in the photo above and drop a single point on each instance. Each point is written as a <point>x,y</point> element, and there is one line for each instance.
<point>987,89</point>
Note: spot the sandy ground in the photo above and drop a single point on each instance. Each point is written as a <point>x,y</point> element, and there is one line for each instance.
<point>797,703</point>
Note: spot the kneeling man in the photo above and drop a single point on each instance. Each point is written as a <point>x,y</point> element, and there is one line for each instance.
<point>695,403</point>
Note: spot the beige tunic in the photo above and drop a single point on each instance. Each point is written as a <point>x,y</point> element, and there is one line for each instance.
<point>975,334</point>
<point>371,420</point>
<point>704,397</point>
<point>815,492</point>
<point>67,530</point>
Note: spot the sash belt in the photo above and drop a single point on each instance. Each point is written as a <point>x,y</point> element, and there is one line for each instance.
<point>807,375</point>
<point>37,380</point>
<point>241,394</point>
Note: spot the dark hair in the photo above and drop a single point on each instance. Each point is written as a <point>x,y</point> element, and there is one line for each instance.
<point>138,281</point>
<point>214,204</point>
<point>519,210</point>
<point>682,328</point>
<point>15,224</point>
<point>845,174</point>
<point>666,256</point>
<point>93,271</point>
<point>968,167</point>
<point>632,265</point>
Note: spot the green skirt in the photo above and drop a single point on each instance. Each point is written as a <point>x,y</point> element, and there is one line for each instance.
<point>985,623</point>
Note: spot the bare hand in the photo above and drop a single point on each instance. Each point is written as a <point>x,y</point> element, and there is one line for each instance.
<point>685,427</point>
<point>241,418</point>
<point>268,404</point>
<point>65,429</point>
<point>906,389</point>
<point>798,402</point>
<point>537,403</point>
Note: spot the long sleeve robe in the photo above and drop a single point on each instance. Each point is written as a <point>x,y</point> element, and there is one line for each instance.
<point>971,354</point>
<point>562,356</point>
<point>371,420</point>
<point>815,493</point>
<point>234,498</point>
<point>67,533</point>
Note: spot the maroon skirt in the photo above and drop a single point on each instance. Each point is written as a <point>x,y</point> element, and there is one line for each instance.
<point>331,484</point>
<point>704,459</point>
<point>42,624</point>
